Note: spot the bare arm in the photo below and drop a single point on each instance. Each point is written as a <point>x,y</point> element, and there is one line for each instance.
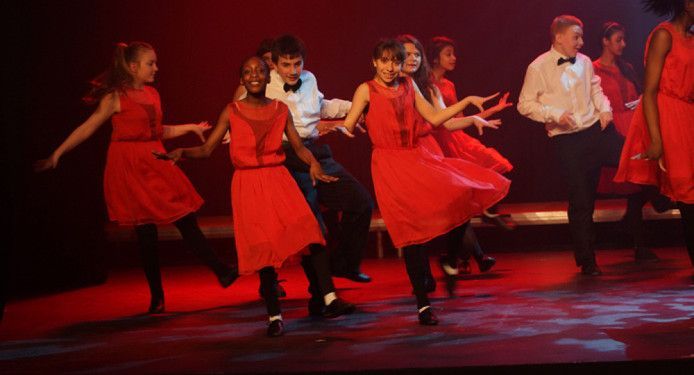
<point>304,154</point>
<point>359,102</point>
<point>459,123</point>
<point>174,131</point>
<point>661,43</point>
<point>204,150</point>
<point>108,105</point>
<point>436,118</point>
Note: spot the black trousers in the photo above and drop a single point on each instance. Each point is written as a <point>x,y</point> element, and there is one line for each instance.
<point>193,238</point>
<point>581,155</point>
<point>345,195</point>
<point>687,215</point>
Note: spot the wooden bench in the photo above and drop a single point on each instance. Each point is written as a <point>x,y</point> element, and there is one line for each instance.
<point>543,213</point>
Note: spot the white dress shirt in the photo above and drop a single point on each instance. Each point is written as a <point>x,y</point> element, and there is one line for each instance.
<point>307,105</point>
<point>550,89</point>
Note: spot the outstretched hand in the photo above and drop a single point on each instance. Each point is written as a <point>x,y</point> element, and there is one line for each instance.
<point>174,155</point>
<point>479,101</point>
<point>317,174</point>
<point>201,128</point>
<point>481,123</point>
<point>503,103</point>
<point>44,164</point>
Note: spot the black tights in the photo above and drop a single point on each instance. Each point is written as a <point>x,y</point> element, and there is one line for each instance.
<point>687,215</point>
<point>193,238</point>
<point>317,269</point>
<point>268,290</point>
<point>418,270</point>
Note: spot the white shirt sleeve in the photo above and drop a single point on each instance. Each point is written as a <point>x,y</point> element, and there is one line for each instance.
<point>333,108</point>
<point>529,104</point>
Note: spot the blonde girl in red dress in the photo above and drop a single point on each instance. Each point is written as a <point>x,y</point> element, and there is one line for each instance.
<point>658,147</point>
<point>272,220</point>
<point>139,190</point>
<point>421,196</point>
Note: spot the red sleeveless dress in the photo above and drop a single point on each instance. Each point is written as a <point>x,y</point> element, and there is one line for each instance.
<point>458,144</point>
<point>619,90</point>
<point>421,196</point>
<point>426,137</point>
<point>138,188</point>
<point>676,110</point>
<point>272,220</point>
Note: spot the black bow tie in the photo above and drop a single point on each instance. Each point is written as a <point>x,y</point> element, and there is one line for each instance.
<point>563,60</point>
<point>293,87</point>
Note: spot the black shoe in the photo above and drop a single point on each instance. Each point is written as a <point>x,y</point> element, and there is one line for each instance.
<point>645,255</point>
<point>356,276</point>
<point>590,270</point>
<point>428,318</point>
<point>486,263</point>
<point>338,307</point>
<point>502,221</point>
<point>275,328</point>
<point>156,306</point>
<point>316,307</point>
<point>228,277</point>
<point>661,203</point>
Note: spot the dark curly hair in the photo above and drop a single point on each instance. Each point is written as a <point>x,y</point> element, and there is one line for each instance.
<point>664,7</point>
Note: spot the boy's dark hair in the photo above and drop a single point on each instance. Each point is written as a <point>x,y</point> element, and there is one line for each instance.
<point>288,45</point>
<point>561,23</point>
<point>265,47</point>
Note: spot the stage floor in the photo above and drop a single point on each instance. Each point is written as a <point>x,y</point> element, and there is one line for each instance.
<point>532,308</point>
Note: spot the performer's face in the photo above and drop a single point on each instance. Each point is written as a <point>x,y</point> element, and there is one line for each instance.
<point>615,43</point>
<point>447,58</point>
<point>569,41</point>
<point>388,67</point>
<point>254,75</point>
<point>289,68</point>
<point>413,59</point>
<point>144,69</point>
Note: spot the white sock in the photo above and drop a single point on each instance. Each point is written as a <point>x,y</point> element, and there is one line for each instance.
<point>275,317</point>
<point>329,298</point>
<point>423,308</point>
<point>448,269</point>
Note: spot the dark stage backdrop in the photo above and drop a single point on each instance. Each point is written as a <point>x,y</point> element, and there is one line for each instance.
<point>56,47</point>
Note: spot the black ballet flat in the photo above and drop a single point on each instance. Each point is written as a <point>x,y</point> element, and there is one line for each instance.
<point>156,306</point>
<point>275,328</point>
<point>428,318</point>
<point>486,263</point>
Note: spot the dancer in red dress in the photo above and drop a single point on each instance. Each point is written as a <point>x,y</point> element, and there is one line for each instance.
<point>272,220</point>
<point>417,67</point>
<point>421,196</point>
<point>619,84</point>
<point>658,148</point>
<point>458,144</point>
<point>139,190</point>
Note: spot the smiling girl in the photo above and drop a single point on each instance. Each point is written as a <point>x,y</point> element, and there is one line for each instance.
<point>272,220</point>
<point>421,196</point>
<point>139,190</point>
